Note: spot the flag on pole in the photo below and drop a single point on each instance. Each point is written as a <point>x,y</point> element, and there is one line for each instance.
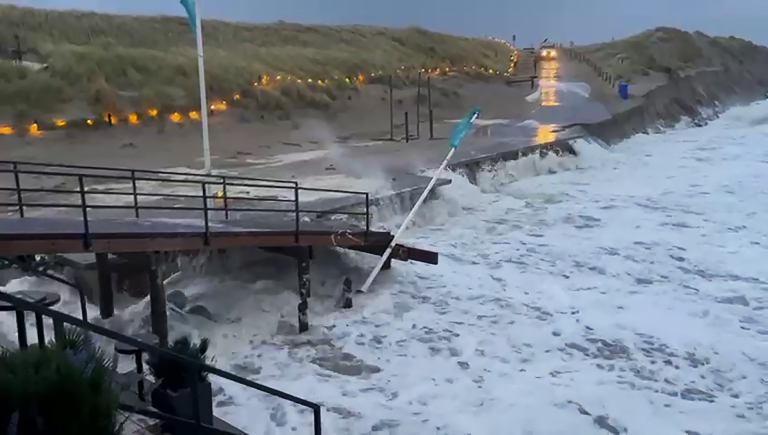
<point>195,21</point>
<point>189,6</point>
<point>463,127</point>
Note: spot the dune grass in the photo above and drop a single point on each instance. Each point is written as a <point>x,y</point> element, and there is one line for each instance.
<point>666,49</point>
<point>116,63</point>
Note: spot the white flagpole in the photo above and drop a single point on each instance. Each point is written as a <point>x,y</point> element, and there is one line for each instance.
<point>201,76</point>
<point>408,219</point>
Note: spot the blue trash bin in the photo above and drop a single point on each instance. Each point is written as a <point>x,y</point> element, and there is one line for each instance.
<point>624,90</point>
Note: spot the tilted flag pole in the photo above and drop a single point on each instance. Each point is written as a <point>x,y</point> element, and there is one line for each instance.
<point>461,130</point>
<point>195,21</point>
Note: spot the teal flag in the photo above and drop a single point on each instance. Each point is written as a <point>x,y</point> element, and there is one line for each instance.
<point>463,127</point>
<point>189,6</point>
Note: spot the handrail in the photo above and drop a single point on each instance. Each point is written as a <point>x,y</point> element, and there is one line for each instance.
<point>145,171</point>
<point>134,177</point>
<point>43,273</point>
<point>228,203</point>
<point>193,367</point>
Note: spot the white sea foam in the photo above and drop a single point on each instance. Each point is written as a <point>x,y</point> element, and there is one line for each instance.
<point>580,88</point>
<point>624,287</point>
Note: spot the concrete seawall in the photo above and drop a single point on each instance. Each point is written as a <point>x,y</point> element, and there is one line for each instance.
<point>700,96</point>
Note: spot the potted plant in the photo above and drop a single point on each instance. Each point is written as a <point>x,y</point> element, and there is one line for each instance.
<point>173,394</point>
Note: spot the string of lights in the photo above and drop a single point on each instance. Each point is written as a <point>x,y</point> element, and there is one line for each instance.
<point>38,128</point>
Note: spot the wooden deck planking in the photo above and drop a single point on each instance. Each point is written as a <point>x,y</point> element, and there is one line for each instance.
<point>48,235</point>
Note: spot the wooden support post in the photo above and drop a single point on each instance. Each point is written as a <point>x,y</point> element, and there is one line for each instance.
<point>302,261</point>
<point>157,303</point>
<point>346,293</point>
<point>106,293</point>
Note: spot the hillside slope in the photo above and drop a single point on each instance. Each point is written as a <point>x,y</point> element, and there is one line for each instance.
<point>674,75</point>
<point>666,50</point>
<point>100,62</point>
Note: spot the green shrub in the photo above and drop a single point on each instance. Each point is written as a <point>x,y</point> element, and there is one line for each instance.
<point>65,388</point>
<point>172,374</point>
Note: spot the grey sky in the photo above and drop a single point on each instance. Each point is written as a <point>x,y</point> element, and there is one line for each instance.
<point>583,21</point>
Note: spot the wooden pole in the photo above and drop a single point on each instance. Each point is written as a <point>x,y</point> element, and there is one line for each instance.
<point>106,293</point>
<point>157,302</point>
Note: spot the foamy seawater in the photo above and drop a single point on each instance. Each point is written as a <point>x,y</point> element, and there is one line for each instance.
<point>621,291</point>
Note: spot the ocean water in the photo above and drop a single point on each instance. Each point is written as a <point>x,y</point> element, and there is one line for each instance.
<point>621,291</point>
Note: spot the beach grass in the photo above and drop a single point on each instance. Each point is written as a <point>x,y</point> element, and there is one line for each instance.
<point>667,49</point>
<point>116,63</point>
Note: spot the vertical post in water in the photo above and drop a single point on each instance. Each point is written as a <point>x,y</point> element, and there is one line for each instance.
<point>391,111</point>
<point>407,131</point>
<point>302,262</point>
<point>429,106</point>
<point>106,295</point>
<point>431,125</point>
<point>157,303</point>
<point>346,293</point>
<point>418,106</point>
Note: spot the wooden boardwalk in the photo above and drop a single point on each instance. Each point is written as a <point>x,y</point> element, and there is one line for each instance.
<point>60,235</point>
<point>59,209</point>
<point>136,215</point>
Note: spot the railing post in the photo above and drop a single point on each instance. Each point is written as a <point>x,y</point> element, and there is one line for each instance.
<point>207,236</point>
<point>224,192</point>
<point>84,209</point>
<point>21,329</point>
<point>40,329</point>
<point>297,213</point>
<point>318,421</point>
<point>135,195</point>
<point>139,361</point>
<point>58,330</point>
<point>19,198</point>
<point>194,384</point>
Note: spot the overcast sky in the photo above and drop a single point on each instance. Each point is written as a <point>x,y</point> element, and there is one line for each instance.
<point>583,21</point>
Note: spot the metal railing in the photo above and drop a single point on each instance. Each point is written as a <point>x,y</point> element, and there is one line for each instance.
<point>221,184</point>
<point>84,169</point>
<point>194,426</point>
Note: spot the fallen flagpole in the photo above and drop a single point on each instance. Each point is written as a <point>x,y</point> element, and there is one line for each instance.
<point>456,136</point>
